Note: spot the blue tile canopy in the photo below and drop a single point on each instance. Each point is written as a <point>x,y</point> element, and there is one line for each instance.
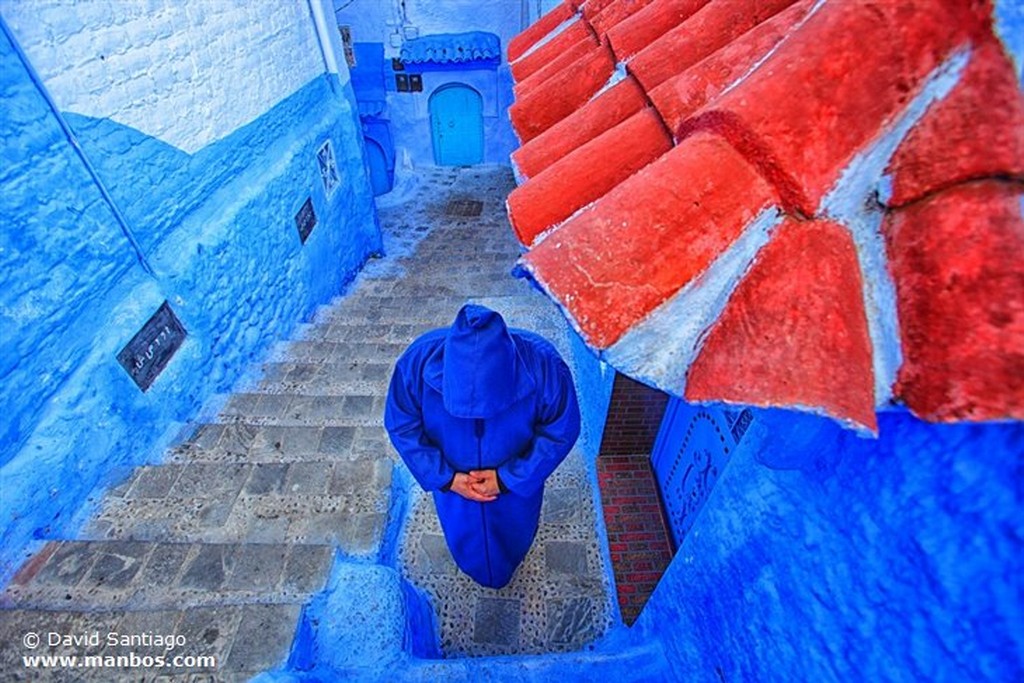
<point>452,48</point>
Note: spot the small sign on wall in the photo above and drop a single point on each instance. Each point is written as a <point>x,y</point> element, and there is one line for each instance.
<point>328,168</point>
<point>151,349</point>
<point>305,219</point>
<point>346,44</point>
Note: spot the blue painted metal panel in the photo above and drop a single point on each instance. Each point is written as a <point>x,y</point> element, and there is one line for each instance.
<point>692,448</point>
<point>457,125</point>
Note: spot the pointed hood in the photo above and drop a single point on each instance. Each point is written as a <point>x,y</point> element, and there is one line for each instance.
<point>481,373</point>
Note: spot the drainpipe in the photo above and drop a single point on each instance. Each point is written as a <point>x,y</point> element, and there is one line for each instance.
<point>70,135</point>
<point>323,35</point>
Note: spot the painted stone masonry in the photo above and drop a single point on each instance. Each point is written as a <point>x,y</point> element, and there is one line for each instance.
<point>95,242</point>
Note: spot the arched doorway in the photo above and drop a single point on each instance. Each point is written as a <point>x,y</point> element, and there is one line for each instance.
<point>378,166</point>
<point>457,125</point>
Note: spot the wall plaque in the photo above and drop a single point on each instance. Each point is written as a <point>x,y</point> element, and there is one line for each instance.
<point>305,219</point>
<point>149,351</point>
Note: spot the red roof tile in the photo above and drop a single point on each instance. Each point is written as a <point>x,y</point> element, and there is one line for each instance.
<point>556,65</point>
<point>712,27</point>
<point>563,93</point>
<point>537,59</point>
<point>976,132</point>
<point>794,332</point>
<point>653,21</point>
<point>615,13</point>
<point>604,112</point>
<point>820,118</point>
<point>591,8</point>
<point>582,176</point>
<point>678,98</point>
<point>652,234</point>
<point>792,108</point>
<point>956,260</point>
<point>538,30</point>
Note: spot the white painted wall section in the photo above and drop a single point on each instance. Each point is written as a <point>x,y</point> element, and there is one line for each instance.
<point>187,73</point>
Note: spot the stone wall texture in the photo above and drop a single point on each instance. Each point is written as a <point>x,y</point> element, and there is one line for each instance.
<point>213,217</point>
<point>634,417</point>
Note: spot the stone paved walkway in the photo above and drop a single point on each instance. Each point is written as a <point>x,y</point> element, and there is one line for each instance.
<point>226,540</point>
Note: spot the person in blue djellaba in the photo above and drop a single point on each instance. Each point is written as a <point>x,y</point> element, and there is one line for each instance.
<point>482,414</point>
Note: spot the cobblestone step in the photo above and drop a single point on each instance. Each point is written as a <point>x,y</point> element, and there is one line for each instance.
<point>303,409</point>
<point>224,542</point>
<point>227,644</point>
<point>345,352</point>
<point>462,288</point>
<point>343,503</point>
<point>133,575</point>
<point>325,379</point>
<point>420,308</point>
<point>243,442</point>
<point>353,330</point>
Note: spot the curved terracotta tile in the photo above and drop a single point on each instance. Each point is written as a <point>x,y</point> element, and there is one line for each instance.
<point>538,30</point>
<point>681,96</point>
<point>556,65</point>
<point>636,32</point>
<point>586,174</point>
<point>602,113</point>
<point>656,231</point>
<point>548,52</point>
<point>562,94</point>
<point>709,29</point>
<point>794,333</point>
<point>976,132</point>
<point>956,261</point>
<point>615,13</point>
<point>830,89</point>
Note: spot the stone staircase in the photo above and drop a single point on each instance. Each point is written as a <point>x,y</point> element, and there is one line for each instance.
<point>226,540</point>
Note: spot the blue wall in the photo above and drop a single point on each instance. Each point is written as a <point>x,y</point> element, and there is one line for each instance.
<point>823,556</point>
<point>218,228</point>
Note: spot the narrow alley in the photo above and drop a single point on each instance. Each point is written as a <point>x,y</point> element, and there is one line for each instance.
<point>776,242</point>
<point>299,462</point>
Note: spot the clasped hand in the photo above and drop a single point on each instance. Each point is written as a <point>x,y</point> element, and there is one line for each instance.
<point>478,485</point>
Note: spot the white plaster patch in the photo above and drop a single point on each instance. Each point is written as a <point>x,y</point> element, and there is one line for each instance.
<point>855,202</point>
<point>188,75</point>
<point>618,75</point>
<point>659,350</point>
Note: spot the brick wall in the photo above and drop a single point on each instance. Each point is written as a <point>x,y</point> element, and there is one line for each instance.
<point>634,418</point>
<point>637,538</point>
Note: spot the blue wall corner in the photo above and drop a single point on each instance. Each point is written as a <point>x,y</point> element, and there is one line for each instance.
<point>218,228</point>
<point>853,559</point>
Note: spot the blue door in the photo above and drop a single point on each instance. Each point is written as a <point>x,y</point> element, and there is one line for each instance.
<point>378,163</point>
<point>693,446</point>
<point>457,126</point>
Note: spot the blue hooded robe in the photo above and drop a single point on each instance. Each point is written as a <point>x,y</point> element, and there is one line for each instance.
<point>477,396</point>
